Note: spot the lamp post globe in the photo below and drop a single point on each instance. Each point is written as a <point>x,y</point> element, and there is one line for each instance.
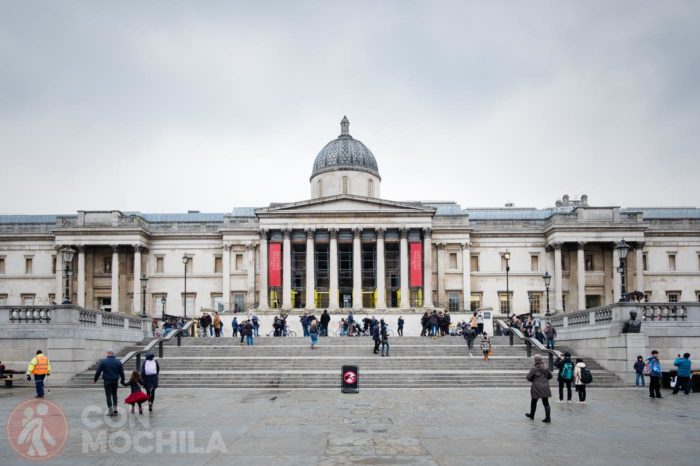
<point>622,249</point>
<point>67,253</point>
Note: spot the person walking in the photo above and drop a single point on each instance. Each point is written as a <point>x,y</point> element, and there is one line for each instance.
<point>150,369</point>
<point>313,333</point>
<point>40,367</point>
<point>217,325</point>
<point>639,371</point>
<point>112,372</point>
<point>654,375</point>
<point>249,333</point>
<point>325,320</point>
<point>578,380</point>
<point>377,338</point>
<point>399,327</point>
<point>474,324</point>
<point>137,396</point>
<point>683,364</point>
<point>433,323</point>
<point>385,340</point>
<point>256,325</point>
<point>479,323</point>
<point>485,345</point>
<point>470,336</point>
<point>551,333</point>
<point>539,377</point>
<point>424,324</point>
<point>234,324</point>
<point>565,376</point>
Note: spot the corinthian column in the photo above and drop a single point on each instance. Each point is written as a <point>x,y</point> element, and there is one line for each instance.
<point>381,274</point>
<point>287,270</point>
<point>427,268</point>
<point>558,293</point>
<point>333,298</point>
<point>226,276</point>
<point>310,270</point>
<point>81,276</point>
<point>357,269</point>
<point>403,251</point>
<point>639,267</point>
<point>263,304</point>
<point>581,275</point>
<point>137,277</point>
<point>115,278</point>
<point>466,277</point>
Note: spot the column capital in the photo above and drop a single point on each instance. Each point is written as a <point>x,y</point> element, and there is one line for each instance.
<point>441,245</point>
<point>555,245</point>
<point>310,233</point>
<point>263,233</point>
<point>581,244</point>
<point>357,233</point>
<point>428,232</point>
<point>333,233</point>
<point>466,246</point>
<point>228,246</point>
<point>380,232</point>
<point>403,232</point>
<point>115,247</point>
<point>249,245</point>
<point>286,233</point>
<point>137,247</point>
<point>640,245</point>
<point>80,248</point>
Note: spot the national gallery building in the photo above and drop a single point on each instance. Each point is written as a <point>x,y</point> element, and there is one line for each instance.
<point>347,247</point>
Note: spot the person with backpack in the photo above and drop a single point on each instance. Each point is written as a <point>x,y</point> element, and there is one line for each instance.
<point>639,371</point>
<point>579,379</point>
<point>149,375</point>
<point>653,367</point>
<point>565,376</point>
<point>539,376</point>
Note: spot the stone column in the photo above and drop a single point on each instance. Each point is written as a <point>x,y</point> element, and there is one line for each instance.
<point>381,271</point>
<point>558,292</point>
<point>287,270</point>
<point>581,275</point>
<point>137,280</point>
<point>310,270</point>
<point>357,268</point>
<point>442,297</point>
<point>639,267</point>
<point>226,276</point>
<point>617,282</point>
<point>427,268</point>
<point>333,298</point>
<point>60,288</point>
<point>466,277</point>
<point>81,276</point>
<point>403,250</point>
<point>115,278</point>
<point>250,264</point>
<point>263,304</point>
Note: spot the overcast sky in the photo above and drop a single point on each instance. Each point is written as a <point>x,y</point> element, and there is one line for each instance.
<point>174,106</point>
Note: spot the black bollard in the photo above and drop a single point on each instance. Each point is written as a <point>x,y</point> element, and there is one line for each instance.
<point>511,336</point>
<point>179,339</point>
<point>138,361</point>
<point>528,344</point>
<point>160,349</point>
<point>551,361</point>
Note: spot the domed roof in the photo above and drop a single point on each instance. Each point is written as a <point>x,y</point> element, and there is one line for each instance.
<point>345,153</point>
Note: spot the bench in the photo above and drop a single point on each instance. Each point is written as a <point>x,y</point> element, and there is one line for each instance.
<point>8,379</point>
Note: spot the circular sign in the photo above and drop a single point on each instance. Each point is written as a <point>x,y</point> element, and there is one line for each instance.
<point>349,377</point>
<point>37,429</point>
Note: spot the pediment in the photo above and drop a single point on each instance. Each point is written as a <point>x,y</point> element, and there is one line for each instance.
<point>347,204</point>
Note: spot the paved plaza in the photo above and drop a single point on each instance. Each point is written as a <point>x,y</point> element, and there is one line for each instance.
<point>325,427</point>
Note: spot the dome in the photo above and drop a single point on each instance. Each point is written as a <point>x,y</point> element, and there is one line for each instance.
<point>345,153</point>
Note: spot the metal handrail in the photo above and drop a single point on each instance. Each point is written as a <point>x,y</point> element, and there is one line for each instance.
<point>529,342</point>
<point>158,341</point>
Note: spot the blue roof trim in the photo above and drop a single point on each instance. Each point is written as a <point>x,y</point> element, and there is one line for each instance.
<point>28,218</point>
<point>244,212</point>
<point>662,213</point>
<point>198,217</point>
<point>509,214</point>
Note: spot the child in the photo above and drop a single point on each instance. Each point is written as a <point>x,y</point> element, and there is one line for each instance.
<point>486,346</point>
<point>136,396</point>
<point>639,370</point>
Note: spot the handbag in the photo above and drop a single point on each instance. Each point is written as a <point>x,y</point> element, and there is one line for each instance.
<point>673,382</point>
<point>647,369</point>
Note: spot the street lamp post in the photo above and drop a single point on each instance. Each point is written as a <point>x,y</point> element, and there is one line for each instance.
<point>547,281</point>
<point>185,260</point>
<point>144,286</point>
<point>67,253</point>
<point>506,256</point>
<point>162,302</point>
<point>531,298</point>
<point>622,250</point>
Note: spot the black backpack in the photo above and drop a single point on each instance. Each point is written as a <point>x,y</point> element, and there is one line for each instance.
<point>586,376</point>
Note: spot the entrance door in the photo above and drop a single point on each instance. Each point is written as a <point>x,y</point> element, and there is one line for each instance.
<point>592,300</point>
<point>105,304</point>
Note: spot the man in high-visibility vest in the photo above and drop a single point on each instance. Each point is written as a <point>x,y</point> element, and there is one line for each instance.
<point>40,367</point>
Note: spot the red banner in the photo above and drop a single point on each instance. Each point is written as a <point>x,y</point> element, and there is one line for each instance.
<point>274,266</point>
<point>415,254</point>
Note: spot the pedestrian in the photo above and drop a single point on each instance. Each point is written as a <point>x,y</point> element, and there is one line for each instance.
<point>400,326</point>
<point>479,323</point>
<point>639,371</point>
<point>249,333</point>
<point>539,336</point>
<point>433,323</point>
<point>565,376</point>
<point>234,324</point>
<point>424,324</point>
<point>112,372</point>
<point>551,333</point>
<point>313,333</point>
<point>377,338</point>
<point>578,380</point>
<point>41,368</point>
<point>205,324</point>
<point>654,375</point>
<point>325,320</point>
<point>539,376</point>
<point>217,325</point>
<point>385,340</point>
<point>154,327</point>
<point>150,369</point>
<point>241,329</point>
<point>473,323</point>
<point>470,336</point>
<point>485,345</point>
<point>256,325</point>
<point>683,378</point>
<point>137,396</point>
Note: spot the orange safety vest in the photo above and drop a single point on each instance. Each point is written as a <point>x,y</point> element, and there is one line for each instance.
<point>42,365</point>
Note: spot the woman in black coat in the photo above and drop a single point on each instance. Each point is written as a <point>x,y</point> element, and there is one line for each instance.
<point>149,375</point>
<point>539,376</point>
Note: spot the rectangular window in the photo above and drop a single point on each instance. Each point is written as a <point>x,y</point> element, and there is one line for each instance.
<point>189,302</point>
<point>217,302</point>
<point>592,300</point>
<point>588,263</point>
<point>239,261</point>
<point>535,299</point>
<point>27,300</point>
<point>238,300</point>
<point>52,298</point>
<point>564,262</point>
<point>2,265</point>
<point>107,265</point>
<point>534,263</point>
<point>28,262</point>
<point>159,305</point>
<point>673,296</point>
<point>3,299</point>
<point>644,262</point>
<point>503,263</point>
<point>159,265</point>
<point>505,302</point>
<point>190,264</point>
<point>218,264</point>
<point>671,262</point>
<point>475,301</point>
<point>474,262</point>
<point>453,261</point>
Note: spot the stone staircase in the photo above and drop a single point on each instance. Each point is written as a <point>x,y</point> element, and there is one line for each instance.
<point>415,362</point>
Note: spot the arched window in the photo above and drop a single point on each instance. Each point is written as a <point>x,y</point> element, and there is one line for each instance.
<point>370,188</point>
<point>345,185</point>
<point>320,188</point>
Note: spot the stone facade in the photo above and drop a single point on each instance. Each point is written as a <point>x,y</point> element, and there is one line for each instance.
<point>361,249</point>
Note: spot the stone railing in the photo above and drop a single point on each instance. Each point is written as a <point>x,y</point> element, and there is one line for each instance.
<point>618,313</point>
<point>70,314</point>
<point>664,311</point>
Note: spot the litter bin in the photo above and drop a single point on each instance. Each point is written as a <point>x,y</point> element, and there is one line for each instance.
<point>695,382</point>
<point>350,379</point>
<point>666,378</point>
